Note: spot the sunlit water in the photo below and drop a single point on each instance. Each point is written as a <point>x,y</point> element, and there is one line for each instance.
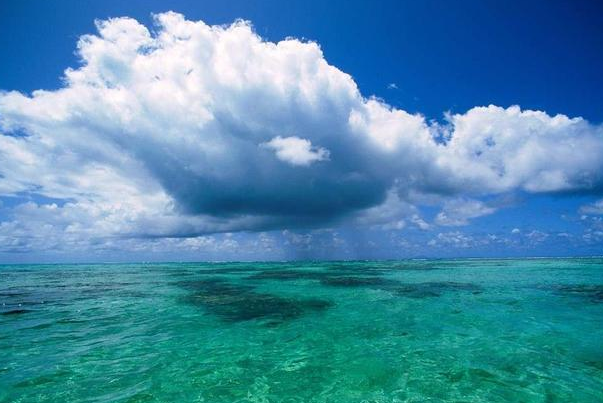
<point>410,331</point>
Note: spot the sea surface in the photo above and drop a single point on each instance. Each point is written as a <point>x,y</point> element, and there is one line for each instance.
<point>528,330</point>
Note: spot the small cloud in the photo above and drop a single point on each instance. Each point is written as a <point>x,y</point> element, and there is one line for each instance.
<point>419,222</point>
<point>593,236</point>
<point>452,239</point>
<point>458,212</point>
<point>595,208</point>
<point>392,86</point>
<point>537,236</point>
<point>299,240</point>
<point>296,151</point>
<point>394,225</point>
<point>515,231</point>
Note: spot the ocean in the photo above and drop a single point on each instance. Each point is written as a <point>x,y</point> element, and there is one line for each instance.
<point>509,330</point>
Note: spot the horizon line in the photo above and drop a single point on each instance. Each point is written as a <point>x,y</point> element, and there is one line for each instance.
<point>304,260</point>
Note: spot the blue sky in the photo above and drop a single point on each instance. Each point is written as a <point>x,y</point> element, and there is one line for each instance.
<point>90,172</point>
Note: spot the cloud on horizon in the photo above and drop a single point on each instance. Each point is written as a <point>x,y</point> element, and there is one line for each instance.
<point>196,129</point>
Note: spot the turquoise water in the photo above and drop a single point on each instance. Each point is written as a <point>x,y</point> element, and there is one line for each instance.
<point>526,330</point>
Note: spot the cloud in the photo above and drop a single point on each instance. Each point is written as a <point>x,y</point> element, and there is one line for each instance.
<point>536,236</point>
<point>296,151</point>
<point>388,215</point>
<point>594,237</point>
<point>458,212</point>
<point>504,149</point>
<point>419,222</point>
<point>593,231</point>
<point>595,208</point>
<point>302,245</point>
<point>452,239</point>
<point>395,225</point>
<point>178,132</point>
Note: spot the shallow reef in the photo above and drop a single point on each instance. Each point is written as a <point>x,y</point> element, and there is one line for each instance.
<point>590,292</point>
<point>235,302</point>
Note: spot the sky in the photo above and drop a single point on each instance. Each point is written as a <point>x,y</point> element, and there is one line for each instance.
<point>240,130</point>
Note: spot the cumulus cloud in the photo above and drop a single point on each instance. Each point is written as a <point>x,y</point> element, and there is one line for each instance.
<point>179,132</point>
<point>537,236</point>
<point>296,151</point>
<point>394,225</point>
<point>501,149</point>
<point>594,237</point>
<point>388,215</point>
<point>595,208</point>
<point>419,222</point>
<point>458,212</point>
<point>452,239</point>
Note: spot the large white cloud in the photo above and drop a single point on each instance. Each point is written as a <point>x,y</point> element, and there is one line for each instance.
<point>499,149</point>
<point>198,129</point>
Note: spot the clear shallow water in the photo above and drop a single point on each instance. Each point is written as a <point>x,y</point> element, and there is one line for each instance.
<point>408,331</point>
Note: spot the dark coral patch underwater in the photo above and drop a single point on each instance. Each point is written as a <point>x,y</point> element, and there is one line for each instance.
<point>15,312</point>
<point>305,274</point>
<point>434,289</point>
<point>348,281</point>
<point>236,303</point>
<point>370,278</point>
<point>410,290</point>
<point>590,292</point>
